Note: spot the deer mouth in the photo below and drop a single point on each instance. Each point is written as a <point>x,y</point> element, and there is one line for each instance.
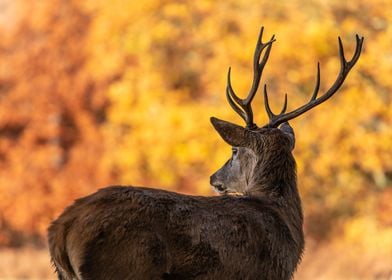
<point>217,185</point>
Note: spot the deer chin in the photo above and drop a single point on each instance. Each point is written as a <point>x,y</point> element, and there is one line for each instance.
<point>223,191</point>
<point>233,193</point>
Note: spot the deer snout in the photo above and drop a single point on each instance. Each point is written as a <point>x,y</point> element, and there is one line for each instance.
<point>216,183</point>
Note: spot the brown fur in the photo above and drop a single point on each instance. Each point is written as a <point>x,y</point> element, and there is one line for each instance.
<point>142,233</point>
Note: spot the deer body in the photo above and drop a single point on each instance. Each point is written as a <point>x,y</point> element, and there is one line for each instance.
<point>143,233</point>
<point>152,234</point>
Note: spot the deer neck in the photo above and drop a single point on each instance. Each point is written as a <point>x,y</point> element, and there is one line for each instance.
<point>274,178</point>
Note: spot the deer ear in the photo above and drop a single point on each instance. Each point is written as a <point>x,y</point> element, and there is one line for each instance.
<point>233,134</point>
<point>288,131</point>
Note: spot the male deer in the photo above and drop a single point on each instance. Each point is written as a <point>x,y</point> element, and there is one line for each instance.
<point>142,233</point>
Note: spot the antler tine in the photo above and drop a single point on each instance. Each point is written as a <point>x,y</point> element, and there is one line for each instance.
<point>345,67</point>
<point>317,86</point>
<point>243,106</point>
<point>271,115</point>
<point>230,94</point>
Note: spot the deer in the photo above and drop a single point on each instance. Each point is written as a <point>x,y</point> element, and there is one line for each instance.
<point>253,228</point>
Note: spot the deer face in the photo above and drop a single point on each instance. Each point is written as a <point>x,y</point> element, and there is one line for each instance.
<point>252,150</point>
<point>234,175</point>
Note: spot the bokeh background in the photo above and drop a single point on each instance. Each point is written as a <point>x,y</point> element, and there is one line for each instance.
<point>100,92</point>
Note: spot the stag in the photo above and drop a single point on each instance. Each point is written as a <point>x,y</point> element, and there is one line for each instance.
<point>253,230</point>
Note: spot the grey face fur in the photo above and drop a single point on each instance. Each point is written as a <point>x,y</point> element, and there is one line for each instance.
<point>251,151</point>
<point>235,174</point>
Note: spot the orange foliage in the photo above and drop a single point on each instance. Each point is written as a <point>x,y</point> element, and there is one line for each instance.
<point>117,91</point>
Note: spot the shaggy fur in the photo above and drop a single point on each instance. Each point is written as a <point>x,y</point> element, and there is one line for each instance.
<point>143,233</point>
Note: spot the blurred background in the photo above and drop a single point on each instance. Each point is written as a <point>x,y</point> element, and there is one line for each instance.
<point>94,93</point>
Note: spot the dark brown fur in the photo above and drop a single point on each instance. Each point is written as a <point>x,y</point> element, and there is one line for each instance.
<point>142,233</point>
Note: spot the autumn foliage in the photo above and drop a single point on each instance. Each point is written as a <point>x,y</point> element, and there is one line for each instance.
<point>120,92</point>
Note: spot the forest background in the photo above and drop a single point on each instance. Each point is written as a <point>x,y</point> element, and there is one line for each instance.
<point>94,93</point>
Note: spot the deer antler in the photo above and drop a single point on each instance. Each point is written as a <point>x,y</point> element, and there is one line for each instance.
<point>243,106</point>
<point>345,67</point>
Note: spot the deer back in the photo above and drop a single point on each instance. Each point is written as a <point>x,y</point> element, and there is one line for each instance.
<point>141,233</point>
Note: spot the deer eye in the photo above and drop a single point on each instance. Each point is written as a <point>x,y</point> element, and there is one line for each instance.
<point>235,151</point>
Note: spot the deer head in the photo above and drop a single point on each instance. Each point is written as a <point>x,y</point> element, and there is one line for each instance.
<point>262,158</point>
